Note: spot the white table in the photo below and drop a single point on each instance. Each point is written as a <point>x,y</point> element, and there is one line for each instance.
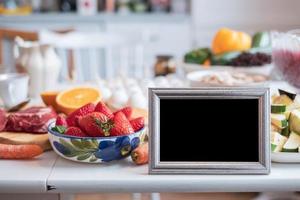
<point>50,174</point>
<point>55,178</point>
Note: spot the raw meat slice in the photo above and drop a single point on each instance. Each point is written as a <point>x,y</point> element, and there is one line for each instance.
<point>31,120</point>
<point>3,119</point>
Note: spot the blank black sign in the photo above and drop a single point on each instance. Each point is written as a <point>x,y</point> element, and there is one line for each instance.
<point>209,130</point>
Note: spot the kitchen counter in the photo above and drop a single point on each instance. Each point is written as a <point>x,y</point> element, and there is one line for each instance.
<point>52,174</point>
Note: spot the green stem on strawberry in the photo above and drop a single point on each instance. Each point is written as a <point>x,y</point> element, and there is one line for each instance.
<point>105,126</point>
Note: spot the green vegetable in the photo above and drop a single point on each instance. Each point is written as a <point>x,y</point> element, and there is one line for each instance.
<point>59,129</point>
<point>285,131</point>
<point>261,39</point>
<point>278,108</point>
<point>224,58</point>
<point>279,120</point>
<point>277,141</point>
<point>292,143</point>
<point>294,121</point>
<point>291,95</point>
<point>197,56</point>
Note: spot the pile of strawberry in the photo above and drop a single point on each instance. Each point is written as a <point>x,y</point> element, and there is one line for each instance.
<point>98,121</point>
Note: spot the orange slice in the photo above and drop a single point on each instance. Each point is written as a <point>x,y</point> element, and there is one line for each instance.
<point>72,99</point>
<point>49,98</point>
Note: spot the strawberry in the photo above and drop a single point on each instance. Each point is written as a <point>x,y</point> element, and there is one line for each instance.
<point>75,131</point>
<point>121,125</point>
<point>127,111</point>
<point>137,123</point>
<point>101,107</point>
<point>84,110</point>
<point>96,124</point>
<point>61,121</point>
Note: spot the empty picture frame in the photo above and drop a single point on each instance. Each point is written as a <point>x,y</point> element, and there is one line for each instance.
<point>209,130</point>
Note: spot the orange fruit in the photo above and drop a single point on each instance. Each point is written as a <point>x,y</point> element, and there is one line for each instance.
<point>69,100</point>
<point>49,98</point>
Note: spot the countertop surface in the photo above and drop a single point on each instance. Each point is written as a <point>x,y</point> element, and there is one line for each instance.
<point>53,174</point>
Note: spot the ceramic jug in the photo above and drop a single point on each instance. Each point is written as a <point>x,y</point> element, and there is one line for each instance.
<point>41,63</point>
<point>52,66</point>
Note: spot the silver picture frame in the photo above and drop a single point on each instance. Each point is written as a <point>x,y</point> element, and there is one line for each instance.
<point>260,167</point>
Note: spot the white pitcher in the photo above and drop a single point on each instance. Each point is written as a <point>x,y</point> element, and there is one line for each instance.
<point>35,69</point>
<point>41,63</point>
<point>52,66</point>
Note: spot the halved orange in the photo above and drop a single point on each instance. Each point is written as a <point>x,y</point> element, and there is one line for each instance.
<point>69,100</point>
<point>49,98</point>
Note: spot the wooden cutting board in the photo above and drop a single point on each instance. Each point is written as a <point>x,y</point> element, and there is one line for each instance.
<point>25,138</point>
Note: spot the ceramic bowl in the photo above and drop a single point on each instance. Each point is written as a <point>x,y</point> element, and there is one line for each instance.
<point>94,149</point>
<point>13,88</point>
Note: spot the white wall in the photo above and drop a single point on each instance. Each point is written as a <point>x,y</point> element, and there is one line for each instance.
<point>247,15</point>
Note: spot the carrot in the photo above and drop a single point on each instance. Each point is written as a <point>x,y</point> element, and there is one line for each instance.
<point>140,155</point>
<point>23,151</point>
<point>206,63</point>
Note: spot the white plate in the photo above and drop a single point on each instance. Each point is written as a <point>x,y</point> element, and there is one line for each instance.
<point>195,77</point>
<point>264,70</point>
<point>284,157</point>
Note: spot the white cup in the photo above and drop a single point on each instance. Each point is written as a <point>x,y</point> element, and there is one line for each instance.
<point>13,88</point>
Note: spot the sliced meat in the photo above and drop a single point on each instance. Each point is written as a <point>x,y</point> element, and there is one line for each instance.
<point>31,120</point>
<point>3,119</point>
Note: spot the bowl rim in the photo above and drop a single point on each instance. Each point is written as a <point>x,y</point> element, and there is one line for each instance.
<point>51,124</point>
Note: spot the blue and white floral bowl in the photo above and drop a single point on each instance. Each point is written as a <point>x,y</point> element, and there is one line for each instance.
<point>94,149</point>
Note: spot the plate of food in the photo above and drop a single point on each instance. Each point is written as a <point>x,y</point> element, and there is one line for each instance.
<point>217,78</point>
<point>232,49</point>
<point>285,127</point>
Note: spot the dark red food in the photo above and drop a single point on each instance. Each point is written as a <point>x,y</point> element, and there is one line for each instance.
<point>121,125</point>
<point>137,123</point>
<point>3,119</point>
<point>75,131</point>
<point>95,124</point>
<point>251,59</point>
<point>127,111</point>
<point>84,110</point>
<point>61,121</point>
<point>31,120</point>
<point>101,107</point>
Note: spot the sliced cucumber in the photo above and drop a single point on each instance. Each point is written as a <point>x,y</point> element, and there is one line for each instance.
<point>275,128</point>
<point>279,120</point>
<point>283,99</point>
<point>291,95</point>
<point>287,114</point>
<point>278,108</point>
<point>277,141</point>
<point>285,131</point>
<point>294,121</point>
<point>292,144</point>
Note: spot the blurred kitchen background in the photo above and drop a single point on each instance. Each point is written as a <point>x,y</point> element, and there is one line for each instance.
<point>105,38</point>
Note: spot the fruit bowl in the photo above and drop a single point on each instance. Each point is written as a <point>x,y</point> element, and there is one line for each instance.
<point>94,149</point>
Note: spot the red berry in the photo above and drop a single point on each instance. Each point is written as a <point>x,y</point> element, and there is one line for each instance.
<point>75,131</point>
<point>101,107</point>
<point>96,124</point>
<point>61,121</point>
<point>127,111</point>
<point>137,123</point>
<point>121,125</point>
<point>84,110</point>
